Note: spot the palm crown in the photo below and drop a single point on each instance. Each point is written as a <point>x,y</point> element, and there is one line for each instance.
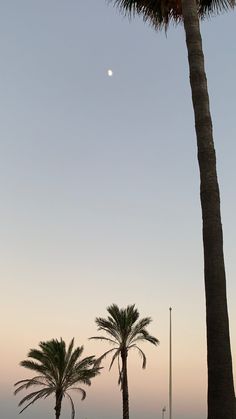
<point>58,370</point>
<point>160,12</point>
<point>124,332</point>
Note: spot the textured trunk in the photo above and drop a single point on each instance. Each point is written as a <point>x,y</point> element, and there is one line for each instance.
<point>125,392</point>
<point>57,407</point>
<point>221,398</point>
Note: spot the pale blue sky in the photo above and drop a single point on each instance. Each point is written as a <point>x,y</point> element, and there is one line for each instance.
<point>100,192</point>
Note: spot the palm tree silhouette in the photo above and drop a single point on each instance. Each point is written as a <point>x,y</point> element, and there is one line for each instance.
<point>58,371</point>
<point>125,331</point>
<point>221,397</point>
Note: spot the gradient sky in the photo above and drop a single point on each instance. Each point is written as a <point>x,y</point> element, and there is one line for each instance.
<point>100,195</point>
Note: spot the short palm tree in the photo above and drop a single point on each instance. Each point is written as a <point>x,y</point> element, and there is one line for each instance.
<point>58,371</point>
<point>159,13</point>
<point>124,331</point>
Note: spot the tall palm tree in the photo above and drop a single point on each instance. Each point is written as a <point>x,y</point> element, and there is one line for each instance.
<point>58,371</point>
<point>221,398</point>
<point>125,331</point>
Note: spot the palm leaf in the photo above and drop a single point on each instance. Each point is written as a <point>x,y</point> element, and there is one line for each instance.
<point>108,326</point>
<point>72,406</point>
<point>81,390</point>
<point>31,365</point>
<point>116,354</point>
<point>35,396</point>
<point>143,356</point>
<point>25,384</point>
<point>159,13</point>
<point>104,338</point>
<point>103,356</point>
<point>71,365</point>
<point>146,337</point>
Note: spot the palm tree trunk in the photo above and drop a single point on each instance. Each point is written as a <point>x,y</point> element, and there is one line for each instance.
<point>57,407</point>
<point>221,398</point>
<point>125,392</point>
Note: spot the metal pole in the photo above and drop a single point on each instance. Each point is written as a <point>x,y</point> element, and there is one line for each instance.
<point>170,370</point>
<point>163,412</point>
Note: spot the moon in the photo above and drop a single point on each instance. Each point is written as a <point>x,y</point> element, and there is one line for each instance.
<point>109,73</point>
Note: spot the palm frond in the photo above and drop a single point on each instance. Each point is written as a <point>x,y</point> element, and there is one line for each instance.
<point>72,406</point>
<point>114,342</point>
<point>71,363</point>
<point>109,327</point>
<point>85,363</point>
<point>142,354</point>
<point>121,321</point>
<point>103,356</point>
<point>209,8</point>
<point>36,354</point>
<point>35,396</point>
<point>116,355</point>
<point>139,327</point>
<point>82,376</point>
<point>146,337</point>
<point>25,384</point>
<point>34,366</point>
<point>120,371</point>
<point>53,357</point>
<point>69,351</point>
<point>81,390</point>
<point>159,13</point>
<point>83,380</point>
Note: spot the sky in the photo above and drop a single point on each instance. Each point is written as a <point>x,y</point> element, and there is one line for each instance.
<point>100,195</point>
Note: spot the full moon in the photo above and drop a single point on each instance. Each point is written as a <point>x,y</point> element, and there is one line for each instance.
<point>109,73</point>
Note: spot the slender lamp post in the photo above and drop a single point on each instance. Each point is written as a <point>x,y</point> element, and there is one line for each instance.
<point>170,370</point>
<point>163,412</point>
